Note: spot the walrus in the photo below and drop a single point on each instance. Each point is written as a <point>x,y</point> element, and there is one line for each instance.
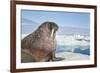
<point>40,45</point>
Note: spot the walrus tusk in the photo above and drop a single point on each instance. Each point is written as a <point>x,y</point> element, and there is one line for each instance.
<point>52,33</point>
<point>53,48</point>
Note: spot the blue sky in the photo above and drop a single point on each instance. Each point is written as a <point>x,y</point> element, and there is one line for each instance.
<point>63,19</point>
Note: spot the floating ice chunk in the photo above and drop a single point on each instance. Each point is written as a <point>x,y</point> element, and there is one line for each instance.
<point>71,40</point>
<point>69,56</point>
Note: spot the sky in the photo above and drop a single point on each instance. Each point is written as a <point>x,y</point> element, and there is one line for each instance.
<point>61,18</point>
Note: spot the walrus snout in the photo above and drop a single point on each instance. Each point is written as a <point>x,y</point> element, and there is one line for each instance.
<point>50,25</point>
<point>53,26</point>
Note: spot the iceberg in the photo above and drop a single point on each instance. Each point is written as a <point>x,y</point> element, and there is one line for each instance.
<point>73,43</point>
<point>71,40</point>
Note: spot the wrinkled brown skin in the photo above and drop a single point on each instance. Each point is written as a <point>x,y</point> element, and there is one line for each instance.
<point>39,46</point>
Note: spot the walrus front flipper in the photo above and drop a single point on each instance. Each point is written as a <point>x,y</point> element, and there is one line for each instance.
<point>25,57</point>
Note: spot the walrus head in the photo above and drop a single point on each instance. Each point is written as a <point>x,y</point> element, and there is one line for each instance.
<point>49,27</point>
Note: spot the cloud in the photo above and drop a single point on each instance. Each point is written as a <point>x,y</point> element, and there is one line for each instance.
<point>26,21</point>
